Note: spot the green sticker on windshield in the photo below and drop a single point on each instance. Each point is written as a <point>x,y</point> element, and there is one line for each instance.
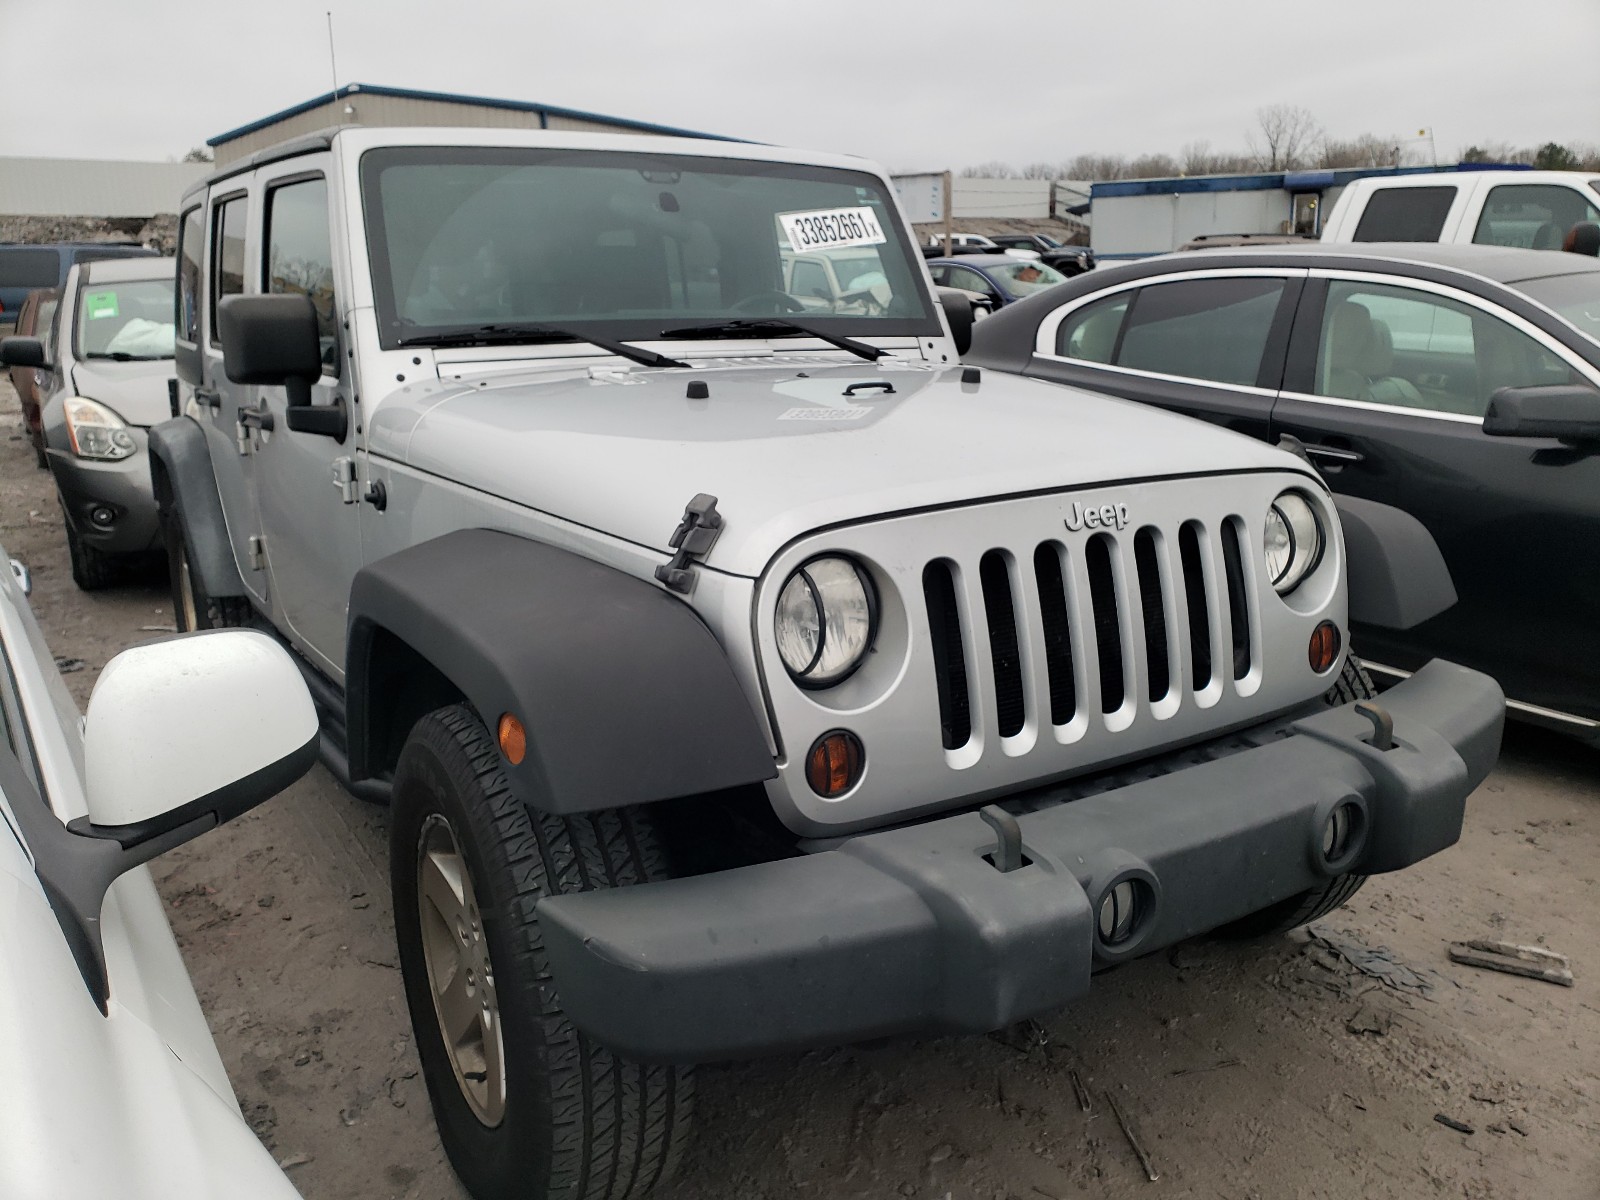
<point>100,304</point>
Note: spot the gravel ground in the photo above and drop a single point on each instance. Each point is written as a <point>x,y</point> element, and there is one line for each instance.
<point>1277,1070</point>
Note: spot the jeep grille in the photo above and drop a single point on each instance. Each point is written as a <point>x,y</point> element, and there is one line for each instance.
<point>1155,573</point>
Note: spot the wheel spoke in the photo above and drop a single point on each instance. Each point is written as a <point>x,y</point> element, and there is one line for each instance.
<point>458,1008</point>
<point>441,886</point>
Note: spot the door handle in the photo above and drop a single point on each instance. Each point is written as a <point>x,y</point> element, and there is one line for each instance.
<point>1335,454</point>
<point>212,400</point>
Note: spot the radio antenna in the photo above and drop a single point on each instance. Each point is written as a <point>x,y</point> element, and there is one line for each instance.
<point>333,63</point>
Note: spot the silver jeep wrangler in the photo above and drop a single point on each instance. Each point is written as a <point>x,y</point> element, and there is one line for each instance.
<point>744,672</point>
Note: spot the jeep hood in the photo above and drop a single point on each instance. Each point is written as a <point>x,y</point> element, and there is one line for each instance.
<point>135,390</point>
<point>784,449</point>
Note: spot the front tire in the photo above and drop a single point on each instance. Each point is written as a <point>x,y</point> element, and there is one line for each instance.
<point>526,1105</point>
<point>92,568</point>
<point>1353,684</point>
<point>192,608</point>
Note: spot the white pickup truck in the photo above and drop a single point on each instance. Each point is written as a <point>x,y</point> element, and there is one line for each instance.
<point>1532,209</point>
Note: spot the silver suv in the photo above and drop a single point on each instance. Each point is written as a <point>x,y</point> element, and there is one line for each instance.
<point>745,674</point>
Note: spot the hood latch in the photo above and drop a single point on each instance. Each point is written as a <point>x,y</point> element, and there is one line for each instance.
<point>692,539</point>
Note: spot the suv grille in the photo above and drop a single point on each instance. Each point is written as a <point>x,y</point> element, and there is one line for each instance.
<point>1141,603</point>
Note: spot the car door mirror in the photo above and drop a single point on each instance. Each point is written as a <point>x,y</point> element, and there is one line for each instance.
<point>958,313</point>
<point>23,352</point>
<point>271,340</point>
<point>188,732</point>
<point>1570,413</point>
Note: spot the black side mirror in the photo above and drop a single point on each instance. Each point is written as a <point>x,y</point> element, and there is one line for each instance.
<point>23,352</point>
<point>1571,413</point>
<point>958,312</point>
<point>271,340</point>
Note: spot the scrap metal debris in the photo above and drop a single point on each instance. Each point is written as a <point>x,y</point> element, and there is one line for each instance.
<point>1329,950</point>
<point>1452,1123</point>
<point>1081,1091</point>
<point>1150,1172</point>
<point>1216,1066</point>
<point>68,665</point>
<point>1533,962</point>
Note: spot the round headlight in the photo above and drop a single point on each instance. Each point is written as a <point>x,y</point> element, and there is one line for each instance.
<point>1293,541</point>
<point>825,619</point>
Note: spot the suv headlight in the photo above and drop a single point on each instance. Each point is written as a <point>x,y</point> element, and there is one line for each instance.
<point>95,431</point>
<point>1294,541</point>
<point>826,619</point>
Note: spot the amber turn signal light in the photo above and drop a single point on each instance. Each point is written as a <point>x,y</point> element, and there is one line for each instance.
<point>1324,651</point>
<point>513,739</point>
<point>834,765</point>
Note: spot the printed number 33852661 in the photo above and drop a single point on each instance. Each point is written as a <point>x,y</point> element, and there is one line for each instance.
<point>831,228</point>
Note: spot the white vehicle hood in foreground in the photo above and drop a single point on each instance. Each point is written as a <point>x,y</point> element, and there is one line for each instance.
<point>783,449</point>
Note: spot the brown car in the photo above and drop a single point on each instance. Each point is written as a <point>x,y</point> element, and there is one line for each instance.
<point>34,320</point>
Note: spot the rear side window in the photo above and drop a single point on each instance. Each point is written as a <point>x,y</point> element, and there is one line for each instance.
<point>1212,329</point>
<point>299,256</point>
<point>227,255</point>
<point>1532,215</point>
<point>191,239</point>
<point>1411,214</point>
<point>1090,334</point>
<point>30,268</point>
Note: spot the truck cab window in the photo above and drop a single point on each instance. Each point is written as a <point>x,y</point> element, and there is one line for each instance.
<point>1532,215</point>
<point>227,255</point>
<point>1405,214</point>
<point>299,258</point>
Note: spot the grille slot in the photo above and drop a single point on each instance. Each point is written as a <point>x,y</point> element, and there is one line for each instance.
<point>1194,594</point>
<point>1057,632</point>
<point>1238,601</point>
<point>949,661</point>
<point>1152,604</point>
<point>1000,608</point>
<point>1107,631</point>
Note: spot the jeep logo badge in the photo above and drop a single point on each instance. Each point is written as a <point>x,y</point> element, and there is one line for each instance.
<point>1107,516</point>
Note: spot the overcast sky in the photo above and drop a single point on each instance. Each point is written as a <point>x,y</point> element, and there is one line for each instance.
<point>926,85</point>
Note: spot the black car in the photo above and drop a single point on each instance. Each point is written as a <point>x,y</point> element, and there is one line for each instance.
<point>25,267</point>
<point>1388,364</point>
<point>1069,260</point>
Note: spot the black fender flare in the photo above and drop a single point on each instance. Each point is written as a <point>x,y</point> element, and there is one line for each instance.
<point>1397,574</point>
<point>186,491</point>
<point>625,695</point>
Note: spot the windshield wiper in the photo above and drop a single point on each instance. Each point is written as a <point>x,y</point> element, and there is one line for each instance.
<point>775,325</point>
<point>124,356</point>
<point>493,335</point>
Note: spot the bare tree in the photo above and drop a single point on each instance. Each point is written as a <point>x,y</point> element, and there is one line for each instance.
<point>198,154</point>
<point>1042,170</point>
<point>989,170</point>
<point>1286,136</point>
<point>1096,166</point>
<point>1153,166</point>
<point>1367,150</point>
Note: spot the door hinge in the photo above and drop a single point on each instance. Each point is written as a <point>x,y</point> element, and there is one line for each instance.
<point>692,539</point>
<point>258,553</point>
<point>344,474</point>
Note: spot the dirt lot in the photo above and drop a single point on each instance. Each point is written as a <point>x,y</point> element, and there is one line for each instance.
<point>1276,1070</point>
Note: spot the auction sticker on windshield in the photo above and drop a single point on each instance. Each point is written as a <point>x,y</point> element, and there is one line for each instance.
<point>832,228</point>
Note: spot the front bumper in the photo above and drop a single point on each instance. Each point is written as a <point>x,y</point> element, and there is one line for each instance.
<point>122,487</point>
<point>913,930</point>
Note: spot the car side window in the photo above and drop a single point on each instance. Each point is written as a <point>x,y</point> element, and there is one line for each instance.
<point>191,239</point>
<point>1533,215</point>
<point>1214,329</point>
<point>299,256</point>
<point>966,277</point>
<point>1405,214</point>
<point>1400,346</point>
<point>1090,333</point>
<point>809,279</point>
<point>227,254</point>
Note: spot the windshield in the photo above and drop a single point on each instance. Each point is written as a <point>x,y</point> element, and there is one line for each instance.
<point>126,320</point>
<point>1576,297</point>
<point>1025,278</point>
<point>627,245</point>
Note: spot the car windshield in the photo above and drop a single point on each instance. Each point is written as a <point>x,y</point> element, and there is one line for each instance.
<point>128,319</point>
<point>627,245</point>
<point>1025,278</point>
<point>1576,297</point>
